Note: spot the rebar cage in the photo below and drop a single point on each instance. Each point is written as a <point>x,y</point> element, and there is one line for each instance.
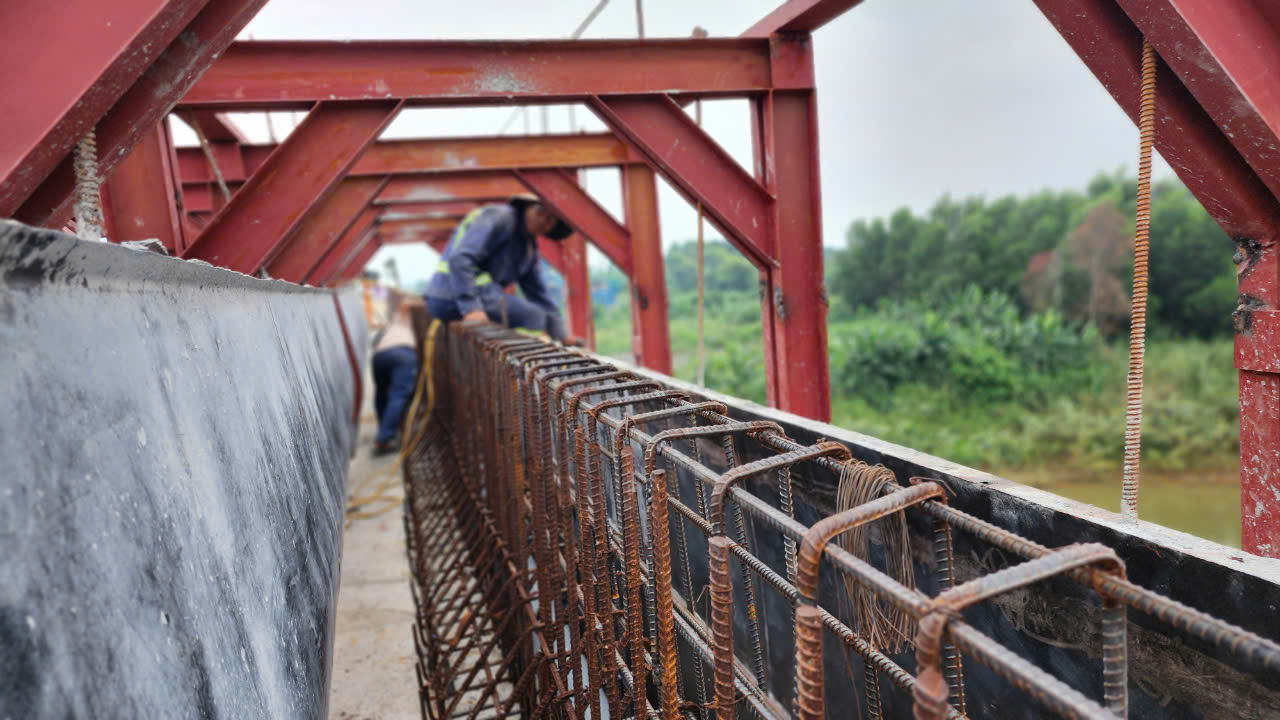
<point>586,541</point>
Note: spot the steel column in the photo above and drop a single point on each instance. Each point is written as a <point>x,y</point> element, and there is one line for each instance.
<point>578,282</point>
<point>140,199</point>
<point>569,258</point>
<point>650,341</point>
<point>795,301</point>
<point>49,97</point>
<point>142,105</point>
<point>322,228</point>
<point>299,174</point>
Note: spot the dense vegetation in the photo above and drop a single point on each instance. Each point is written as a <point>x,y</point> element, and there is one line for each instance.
<point>993,333</point>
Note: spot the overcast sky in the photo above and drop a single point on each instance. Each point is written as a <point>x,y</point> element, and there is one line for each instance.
<point>916,98</point>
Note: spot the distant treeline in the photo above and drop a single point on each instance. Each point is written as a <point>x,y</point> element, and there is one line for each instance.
<point>1063,250</point>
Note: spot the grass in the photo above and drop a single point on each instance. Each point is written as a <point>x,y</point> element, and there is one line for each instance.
<point>1067,417</point>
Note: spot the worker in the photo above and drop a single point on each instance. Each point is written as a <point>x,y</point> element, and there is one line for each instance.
<point>395,371</point>
<point>495,246</point>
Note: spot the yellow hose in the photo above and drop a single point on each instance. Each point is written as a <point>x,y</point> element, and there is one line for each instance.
<point>388,477</point>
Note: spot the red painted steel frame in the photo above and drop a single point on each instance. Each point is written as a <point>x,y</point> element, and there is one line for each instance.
<point>561,192</point>
<point>134,112</point>
<point>569,258</point>
<point>698,167</point>
<point>294,74</point>
<point>322,227</point>
<point>475,186</point>
<point>300,173</point>
<point>389,157</point>
<point>799,16</point>
<point>334,257</point>
<point>478,186</point>
<point>356,262</point>
<point>49,103</point>
<point>1233,82</point>
<point>139,201</point>
<point>650,341</point>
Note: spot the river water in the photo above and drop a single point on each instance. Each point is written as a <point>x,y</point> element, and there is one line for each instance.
<point>1205,504</point>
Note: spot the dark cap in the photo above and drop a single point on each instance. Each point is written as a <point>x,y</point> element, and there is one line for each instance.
<point>559,231</point>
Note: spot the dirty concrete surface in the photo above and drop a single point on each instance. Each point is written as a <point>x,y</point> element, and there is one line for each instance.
<point>373,656</point>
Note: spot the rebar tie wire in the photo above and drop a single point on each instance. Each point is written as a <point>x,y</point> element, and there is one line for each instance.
<point>1138,310</point>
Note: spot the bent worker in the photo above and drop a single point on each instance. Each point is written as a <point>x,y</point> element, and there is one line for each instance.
<point>395,372</point>
<point>493,247</point>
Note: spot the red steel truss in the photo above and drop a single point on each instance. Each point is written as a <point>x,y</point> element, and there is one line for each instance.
<point>1218,124</point>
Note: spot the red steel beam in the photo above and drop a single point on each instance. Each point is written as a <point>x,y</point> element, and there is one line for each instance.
<point>322,228</point>
<point>356,262</point>
<point>330,261</point>
<point>1228,55</point>
<point>293,74</point>
<point>390,157</point>
<point>139,200</point>
<point>698,168</point>
<point>50,97</point>
<point>562,194</point>
<point>480,185</point>
<point>300,173</point>
<point>577,283</point>
<point>1186,136</point>
<point>474,186</point>
<point>394,227</point>
<point>141,106</point>
<point>434,239</point>
<point>650,340</point>
<point>799,16</point>
<point>439,207</point>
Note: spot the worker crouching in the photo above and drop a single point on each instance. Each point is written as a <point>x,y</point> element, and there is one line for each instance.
<point>493,247</point>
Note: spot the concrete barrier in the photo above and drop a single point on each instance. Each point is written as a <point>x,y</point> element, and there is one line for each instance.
<point>173,447</point>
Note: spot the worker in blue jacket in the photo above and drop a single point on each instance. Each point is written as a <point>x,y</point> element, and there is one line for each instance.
<point>493,247</point>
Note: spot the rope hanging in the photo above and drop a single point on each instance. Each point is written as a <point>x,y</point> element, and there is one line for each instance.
<point>1138,310</point>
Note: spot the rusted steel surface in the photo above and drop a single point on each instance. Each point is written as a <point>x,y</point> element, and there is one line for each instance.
<point>575,528</point>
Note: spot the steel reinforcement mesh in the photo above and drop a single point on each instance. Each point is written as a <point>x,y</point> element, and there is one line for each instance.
<point>586,542</point>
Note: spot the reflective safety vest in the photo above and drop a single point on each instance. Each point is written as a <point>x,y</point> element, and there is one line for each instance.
<point>482,278</point>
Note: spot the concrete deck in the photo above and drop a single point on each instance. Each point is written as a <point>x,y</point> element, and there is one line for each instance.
<point>373,654</point>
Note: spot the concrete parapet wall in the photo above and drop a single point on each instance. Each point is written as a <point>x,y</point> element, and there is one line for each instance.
<point>173,448</point>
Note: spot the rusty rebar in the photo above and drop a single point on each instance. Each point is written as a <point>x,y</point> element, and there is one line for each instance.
<point>506,512</point>
<point>721,626</point>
